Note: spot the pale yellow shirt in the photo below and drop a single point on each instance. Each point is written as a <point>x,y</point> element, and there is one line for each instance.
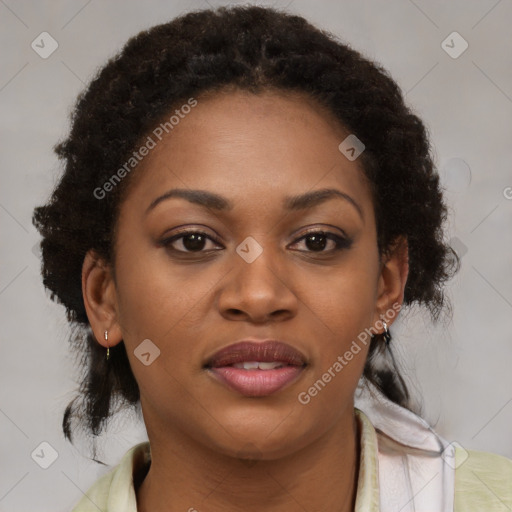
<point>483,482</point>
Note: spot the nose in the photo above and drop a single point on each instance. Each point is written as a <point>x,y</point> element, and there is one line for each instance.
<point>258,292</point>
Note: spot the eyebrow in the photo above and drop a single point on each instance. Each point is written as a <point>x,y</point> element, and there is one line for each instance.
<point>217,202</point>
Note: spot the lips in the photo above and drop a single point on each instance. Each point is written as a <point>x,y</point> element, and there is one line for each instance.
<point>268,351</point>
<point>256,368</point>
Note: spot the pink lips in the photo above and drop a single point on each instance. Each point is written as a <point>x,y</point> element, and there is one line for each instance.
<point>257,382</point>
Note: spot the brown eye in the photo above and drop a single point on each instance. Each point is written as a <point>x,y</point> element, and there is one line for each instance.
<point>190,242</point>
<point>317,241</point>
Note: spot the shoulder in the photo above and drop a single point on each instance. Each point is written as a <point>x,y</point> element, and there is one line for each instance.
<point>114,491</point>
<point>483,481</point>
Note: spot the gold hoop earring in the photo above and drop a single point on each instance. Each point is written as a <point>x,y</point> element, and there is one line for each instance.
<point>386,334</point>
<point>108,348</point>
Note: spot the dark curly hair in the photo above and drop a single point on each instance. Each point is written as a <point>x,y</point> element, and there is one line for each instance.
<point>254,49</point>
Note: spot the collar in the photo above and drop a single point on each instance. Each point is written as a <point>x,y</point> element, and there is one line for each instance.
<point>133,465</point>
<point>121,494</point>
<point>404,465</point>
<point>416,466</point>
<point>367,497</point>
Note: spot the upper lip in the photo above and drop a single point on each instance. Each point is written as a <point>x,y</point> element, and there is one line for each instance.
<point>262,351</point>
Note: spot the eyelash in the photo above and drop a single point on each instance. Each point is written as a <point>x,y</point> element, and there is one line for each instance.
<point>341,242</point>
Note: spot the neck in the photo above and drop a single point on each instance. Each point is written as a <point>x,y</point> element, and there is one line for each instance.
<point>186,476</point>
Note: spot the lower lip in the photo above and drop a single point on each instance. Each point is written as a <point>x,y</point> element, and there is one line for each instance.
<point>257,382</point>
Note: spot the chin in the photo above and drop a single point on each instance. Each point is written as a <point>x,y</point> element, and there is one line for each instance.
<point>261,437</point>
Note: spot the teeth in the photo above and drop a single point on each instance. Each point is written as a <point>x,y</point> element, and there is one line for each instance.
<point>250,365</point>
<point>269,366</point>
<point>253,365</point>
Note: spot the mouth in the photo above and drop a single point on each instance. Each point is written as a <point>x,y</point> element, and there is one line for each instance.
<point>257,369</point>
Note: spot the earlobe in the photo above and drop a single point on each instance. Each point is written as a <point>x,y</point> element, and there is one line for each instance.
<point>100,300</point>
<point>392,281</point>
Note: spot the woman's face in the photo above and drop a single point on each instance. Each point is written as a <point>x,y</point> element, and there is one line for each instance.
<point>253,274</point>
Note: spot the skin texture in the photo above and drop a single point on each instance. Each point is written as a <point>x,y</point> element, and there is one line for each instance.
<point>212,448</point>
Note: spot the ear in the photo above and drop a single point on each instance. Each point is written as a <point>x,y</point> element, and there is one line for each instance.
<point>392,280</point>
<point>100,299</point>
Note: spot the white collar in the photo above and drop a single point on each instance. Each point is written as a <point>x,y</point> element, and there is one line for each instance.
<point>416,465</point>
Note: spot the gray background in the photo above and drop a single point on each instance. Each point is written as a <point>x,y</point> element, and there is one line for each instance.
<point>461,369</point>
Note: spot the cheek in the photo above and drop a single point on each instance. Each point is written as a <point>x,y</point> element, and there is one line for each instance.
<point>167,305</point>
<point>343,311</point>
<point>345,302</point>
<point>344,314</point>
<point>155,297</point>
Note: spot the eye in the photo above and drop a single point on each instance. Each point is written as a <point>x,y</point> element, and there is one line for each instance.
<point>191,241</point>
<point>188,242</point>
<point>317,241</point>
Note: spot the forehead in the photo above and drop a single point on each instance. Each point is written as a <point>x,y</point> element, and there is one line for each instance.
<point>244,146</point>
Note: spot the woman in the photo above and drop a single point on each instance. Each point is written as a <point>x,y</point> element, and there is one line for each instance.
<point>247,205</point>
